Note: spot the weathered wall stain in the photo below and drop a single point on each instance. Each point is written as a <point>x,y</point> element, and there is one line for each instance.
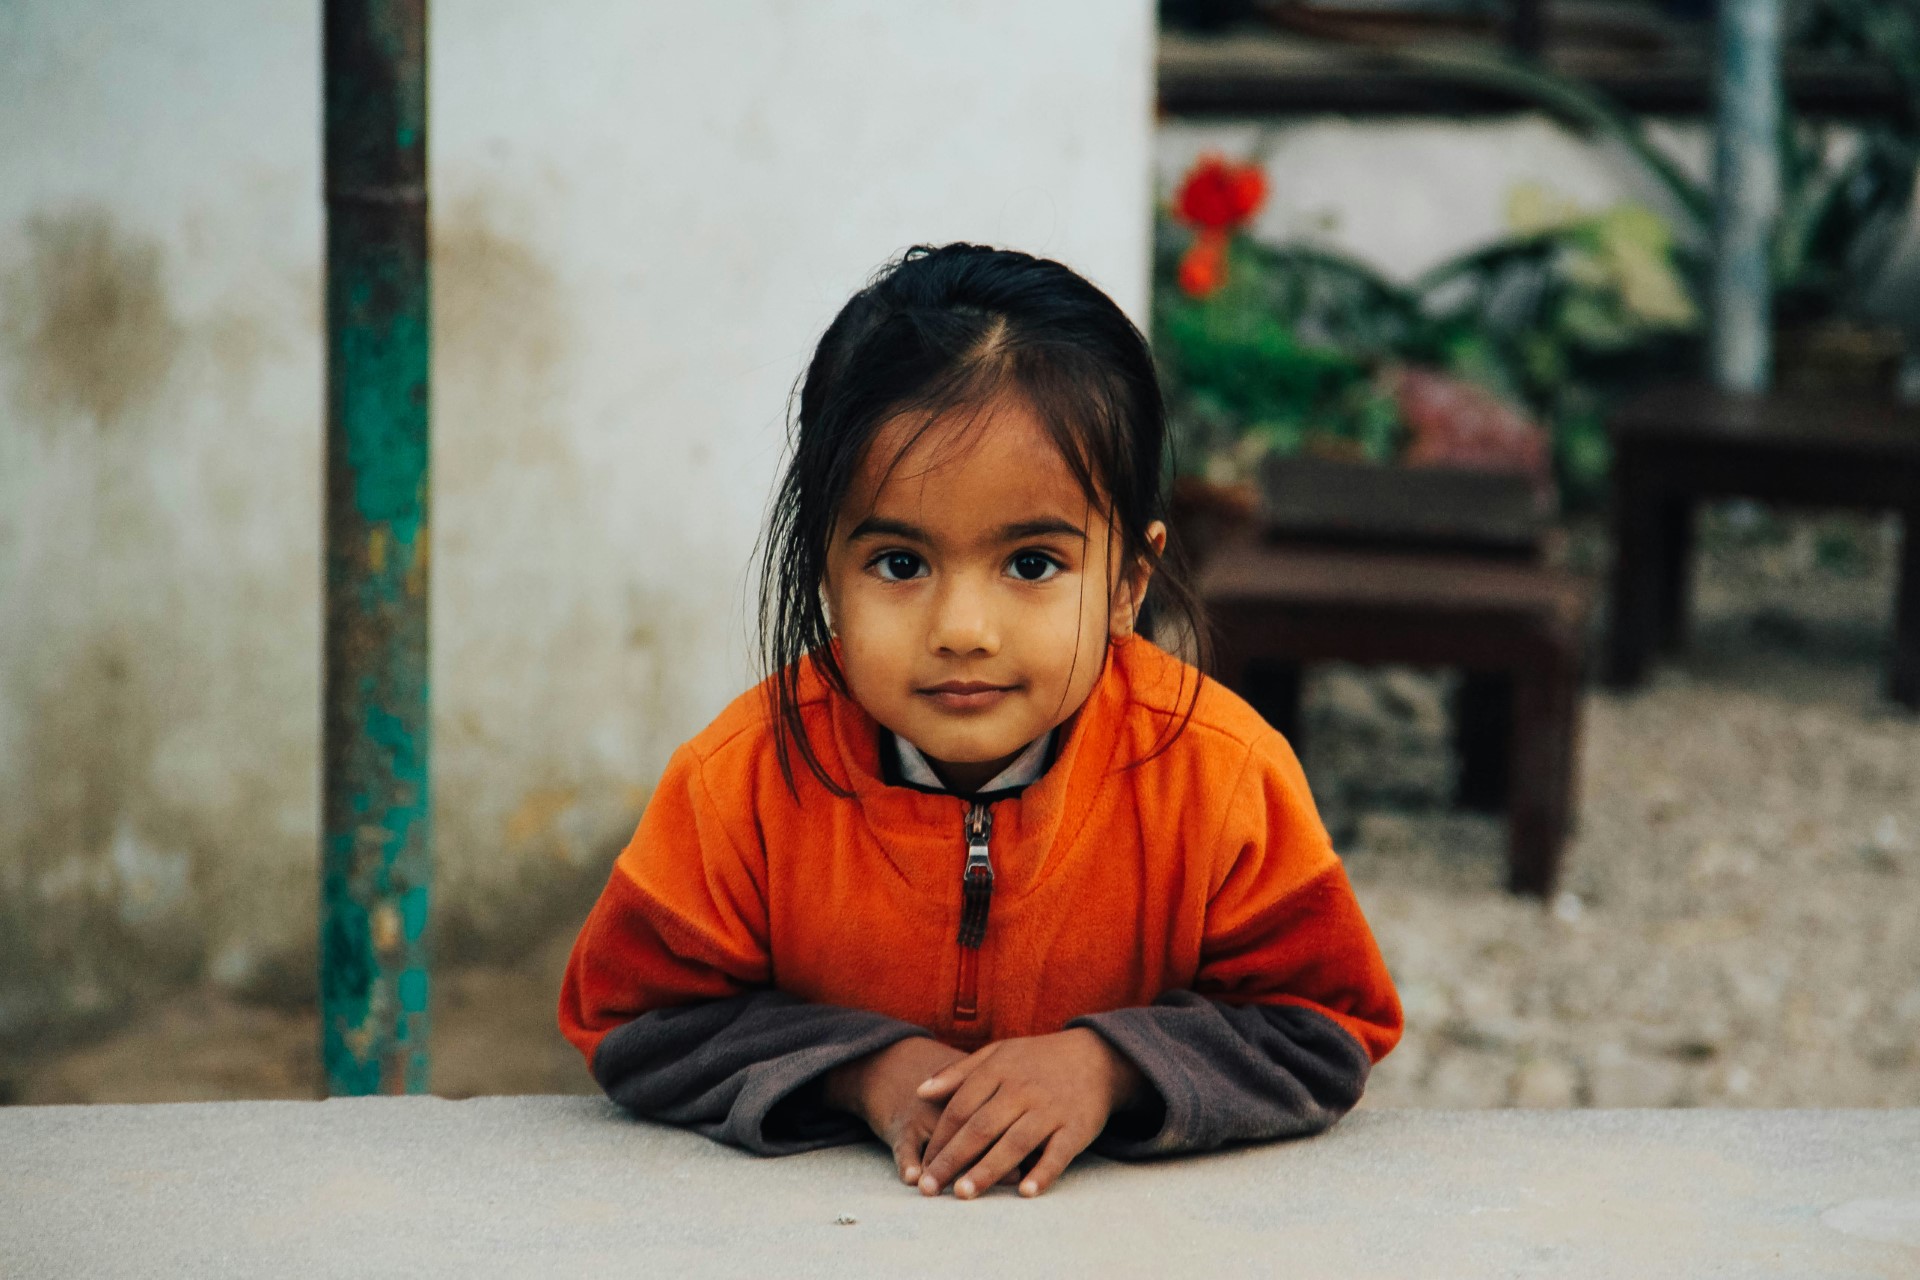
<point>542,815</point>
<point>136,854</point>
<point>123,862</point>
<point>499,337</point>
<point>85,930</point>
<point>494,297</point>
<point>509,859</point>
<point>87,318</point>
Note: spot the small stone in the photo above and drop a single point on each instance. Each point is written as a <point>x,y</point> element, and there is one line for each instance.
<point>1424,1003</point>
<point>1622,1079</point>
<point>1414,696</point>
<point>1547,1083</point>
<point>845,1220</point>
<point>1882,851</point>
<point>1467,1080</point>
<point>1739,1082</point>
<point>1877,858</point>
<point>1664,803</point>
<point>1567,907</point>
<point>1345,696</point>
<point>1481,1001</point>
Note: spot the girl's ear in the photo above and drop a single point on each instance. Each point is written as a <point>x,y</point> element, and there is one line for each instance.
<point>1132,587</point>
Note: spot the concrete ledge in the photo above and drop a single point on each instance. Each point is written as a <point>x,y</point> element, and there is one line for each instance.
<point>568,1186</point>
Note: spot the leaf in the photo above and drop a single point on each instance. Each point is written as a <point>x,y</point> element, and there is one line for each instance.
<point>1574,103</point>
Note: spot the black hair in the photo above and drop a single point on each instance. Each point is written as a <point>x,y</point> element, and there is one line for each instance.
<point>948,327</point>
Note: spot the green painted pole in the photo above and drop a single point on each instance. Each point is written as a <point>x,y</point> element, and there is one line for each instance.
<point>376,850</point>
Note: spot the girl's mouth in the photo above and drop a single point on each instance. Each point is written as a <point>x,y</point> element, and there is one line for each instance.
<point>967,695</point>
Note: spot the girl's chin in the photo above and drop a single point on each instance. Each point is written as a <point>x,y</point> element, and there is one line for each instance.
<point>972,759</point>
<point>966,751</point>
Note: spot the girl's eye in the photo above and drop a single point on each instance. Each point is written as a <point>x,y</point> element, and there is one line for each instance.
<point>898,566</point>
<point>1034,566</point>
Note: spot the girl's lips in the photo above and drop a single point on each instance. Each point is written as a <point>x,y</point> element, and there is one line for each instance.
<point>966,695</point>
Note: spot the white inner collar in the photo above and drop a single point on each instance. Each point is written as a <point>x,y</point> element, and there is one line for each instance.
<point>1025,767</point>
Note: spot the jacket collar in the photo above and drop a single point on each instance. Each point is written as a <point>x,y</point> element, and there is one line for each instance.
<point>913,769</point>
<point>922,832</point>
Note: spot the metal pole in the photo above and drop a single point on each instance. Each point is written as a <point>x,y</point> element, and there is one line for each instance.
<point>376,854</point>
<point>1747,192</point>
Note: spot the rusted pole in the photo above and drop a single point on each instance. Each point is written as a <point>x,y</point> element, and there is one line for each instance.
<point>376,852</point>
<point>1746,192</point>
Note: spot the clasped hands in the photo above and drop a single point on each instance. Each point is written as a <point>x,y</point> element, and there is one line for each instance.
<point>972,1120</point>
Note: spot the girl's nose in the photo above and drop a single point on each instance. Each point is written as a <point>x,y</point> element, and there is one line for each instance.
<point>963,622</point>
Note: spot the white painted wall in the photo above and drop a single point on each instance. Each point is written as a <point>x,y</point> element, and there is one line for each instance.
<point>643,215</point>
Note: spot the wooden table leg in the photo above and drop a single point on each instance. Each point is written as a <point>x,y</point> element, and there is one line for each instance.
<point>1545,694</point>
<point>1482,738</point>
<point>1572,687</point>
<point>1676,571</point>
<point>1270,686</point>
<point>1273,689</point>
<point>1903,665</point>
<point>1633,630</point>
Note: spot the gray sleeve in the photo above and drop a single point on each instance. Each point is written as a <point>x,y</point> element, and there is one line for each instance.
<point>745,1070</point>
<point>1228,1073</point>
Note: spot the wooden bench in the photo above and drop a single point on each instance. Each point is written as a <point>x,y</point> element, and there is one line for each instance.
<point>1301,588</point>
<point>1677,446</point>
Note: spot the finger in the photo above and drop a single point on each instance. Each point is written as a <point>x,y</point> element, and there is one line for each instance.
<point>909,1150</point>
<point>968,1144</point>
<point>1024,1168</point>
<point>1060,1151</point>
<point>954,1074</point>
<point>1005,1156</point>
<point>960,1108</point>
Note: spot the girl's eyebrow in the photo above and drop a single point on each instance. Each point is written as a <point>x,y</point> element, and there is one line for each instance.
<point>1019,531</point>
<point>1045,527</point>
<point>881,527</point>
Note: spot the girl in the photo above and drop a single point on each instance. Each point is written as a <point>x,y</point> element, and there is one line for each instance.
<point>979,868</point>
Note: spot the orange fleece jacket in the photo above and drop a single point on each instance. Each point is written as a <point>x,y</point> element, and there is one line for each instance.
<point>1205,868</point>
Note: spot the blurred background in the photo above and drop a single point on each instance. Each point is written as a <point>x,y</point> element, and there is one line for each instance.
<point>1382,238</point>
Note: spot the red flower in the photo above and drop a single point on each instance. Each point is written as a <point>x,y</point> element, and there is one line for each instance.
<point>1219,195</point>
<point>1204,267</point>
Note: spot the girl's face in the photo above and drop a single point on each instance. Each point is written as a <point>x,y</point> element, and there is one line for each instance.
<point>973,588</point>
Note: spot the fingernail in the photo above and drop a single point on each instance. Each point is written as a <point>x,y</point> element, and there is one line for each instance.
<point>964,1188</point>
<point>1029,1188</point>
<point>928,1186</point>
<point>913,1173</point>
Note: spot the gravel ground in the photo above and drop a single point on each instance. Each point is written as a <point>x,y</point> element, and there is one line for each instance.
<point>1740,921</point>
<point>1740,918</point>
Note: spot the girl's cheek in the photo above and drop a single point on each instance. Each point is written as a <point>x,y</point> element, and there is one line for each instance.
<point>872,632</point>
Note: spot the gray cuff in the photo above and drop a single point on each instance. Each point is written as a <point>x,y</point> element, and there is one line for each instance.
<point>744,1070</point>
<point>1227,1073</point>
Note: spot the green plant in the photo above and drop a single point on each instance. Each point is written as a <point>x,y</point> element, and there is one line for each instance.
<point>1845,189</point>
<point>1300,349</point>
<point>1290,347</point>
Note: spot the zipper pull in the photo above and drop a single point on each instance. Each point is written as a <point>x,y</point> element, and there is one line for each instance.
<point>979,832</point>
<point>976,879</point>
<point>976,896</point>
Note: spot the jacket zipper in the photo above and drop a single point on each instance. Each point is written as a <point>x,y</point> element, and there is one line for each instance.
<point>976,896</point>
